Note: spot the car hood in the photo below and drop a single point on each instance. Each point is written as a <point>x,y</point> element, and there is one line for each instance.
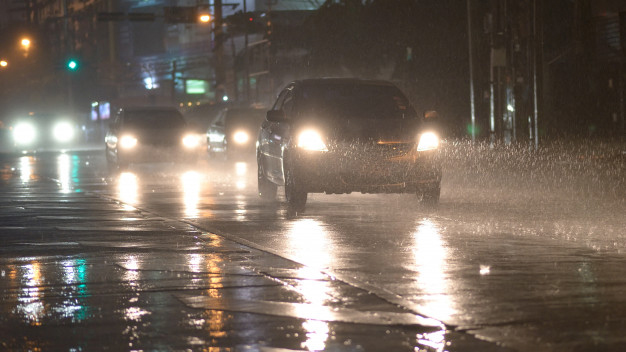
<point>158,136</point>
<point>381,130</point>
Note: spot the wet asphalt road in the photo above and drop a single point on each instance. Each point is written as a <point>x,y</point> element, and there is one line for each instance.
<point>169,258</point>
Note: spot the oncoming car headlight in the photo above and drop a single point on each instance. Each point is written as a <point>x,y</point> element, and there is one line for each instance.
<point>191,141</point>
<point>24,133</point>
<point>128,142</point>
<point>241,137</point>
<point>311,140</point>
<point>428,141</point>
<point>63,132</point>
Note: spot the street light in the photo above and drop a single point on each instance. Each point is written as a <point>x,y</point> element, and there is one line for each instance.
<point>25,43</point>
<point>205,18</point>
<point>4,63</point>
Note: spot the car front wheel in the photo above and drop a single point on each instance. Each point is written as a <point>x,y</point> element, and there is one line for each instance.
<point>295,192</point>
<point>429,194</point>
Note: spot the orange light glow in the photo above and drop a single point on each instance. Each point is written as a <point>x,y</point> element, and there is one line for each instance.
<point>25,43</point>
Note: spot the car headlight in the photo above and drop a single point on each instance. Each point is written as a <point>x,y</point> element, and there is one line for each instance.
<point>191,141</point>
<point>241,137</point>
<point>128,142</point>
<point>428,141</point>
<point>311,140</point>
<point>24,133</point>
<point>63,132</point>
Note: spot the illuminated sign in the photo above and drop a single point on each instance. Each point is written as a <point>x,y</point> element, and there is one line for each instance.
<point>100,110</point>
<point>195,86</point>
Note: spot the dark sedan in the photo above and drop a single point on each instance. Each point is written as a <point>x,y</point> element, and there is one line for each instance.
<point>151,134</point>
<point>234,131</point>
<point>343,136</point>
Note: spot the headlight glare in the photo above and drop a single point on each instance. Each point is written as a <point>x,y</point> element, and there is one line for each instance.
<point>428,141</point>
<point>63,132</point>
<point>191,141</point>
<point>128,142</point>
<point>24,133</point>
<point>241,137</point>
<point>311,140</point>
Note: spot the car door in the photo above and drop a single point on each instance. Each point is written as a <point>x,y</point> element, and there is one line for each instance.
<point>275,135</point>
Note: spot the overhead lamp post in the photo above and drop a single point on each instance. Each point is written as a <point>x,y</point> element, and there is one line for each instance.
<point>25,44</point>
<point>205,18</point>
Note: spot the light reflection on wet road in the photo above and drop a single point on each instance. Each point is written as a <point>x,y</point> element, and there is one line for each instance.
<point>531,273</point>
<point>507,267</point>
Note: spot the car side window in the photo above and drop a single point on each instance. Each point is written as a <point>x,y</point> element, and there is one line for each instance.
<point>117,123</point>
<point>288,104</point>
<point>281,99</point>
<point>220,119</point>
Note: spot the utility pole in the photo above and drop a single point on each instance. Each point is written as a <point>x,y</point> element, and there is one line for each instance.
<point>220,75</point>
<point>246,59</point>
<point>537,65</point>
<point>471,70</point>
<point>173,92</point>
<point>622,74</point>
<point>68,48</point>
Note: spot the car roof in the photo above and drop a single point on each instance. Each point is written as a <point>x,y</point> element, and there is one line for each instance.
<point>332,80</point>
<point>244,110</point>
<point>149,108</point>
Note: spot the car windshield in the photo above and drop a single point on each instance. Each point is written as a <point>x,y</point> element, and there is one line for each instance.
<point>154,120</point>
<point>355,101</point>
<point>236,118</point>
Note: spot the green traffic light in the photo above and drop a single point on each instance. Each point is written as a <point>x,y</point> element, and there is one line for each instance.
<point>72,65</point>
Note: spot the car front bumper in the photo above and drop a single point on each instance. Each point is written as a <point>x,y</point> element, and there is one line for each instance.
<point>336,172</point>
<point>156,154</point>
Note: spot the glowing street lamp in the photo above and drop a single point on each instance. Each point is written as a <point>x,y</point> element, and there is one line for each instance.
<point>3,63</point>
<point>205,18</point>
<point>25,43</point>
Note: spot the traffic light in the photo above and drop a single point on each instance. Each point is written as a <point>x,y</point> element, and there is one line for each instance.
<point>240,22</point>
<point>72,64</point>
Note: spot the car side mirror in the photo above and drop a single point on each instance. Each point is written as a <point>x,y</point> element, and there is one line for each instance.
<point>275,116</point>
<point>431,115</point>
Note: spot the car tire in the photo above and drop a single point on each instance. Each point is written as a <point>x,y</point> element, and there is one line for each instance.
<point>122,165</point>
<point>429,194</point>
<point>267,189</point>
<point>111,164</point>
<point>295,192</point>
<point>190,160</point>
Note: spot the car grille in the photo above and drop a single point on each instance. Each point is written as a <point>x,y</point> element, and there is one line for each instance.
<point>373,151</point>
<point>161,141</point>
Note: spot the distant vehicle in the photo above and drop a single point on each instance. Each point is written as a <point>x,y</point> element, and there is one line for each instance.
<point>44,131</point>
<point>151,134</point>
<point>343,136</point>
<point>6,138</point>
<point>201,116</point>
<point>233,133</point>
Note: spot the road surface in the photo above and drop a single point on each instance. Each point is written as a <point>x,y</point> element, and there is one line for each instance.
<point>525,252</point>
